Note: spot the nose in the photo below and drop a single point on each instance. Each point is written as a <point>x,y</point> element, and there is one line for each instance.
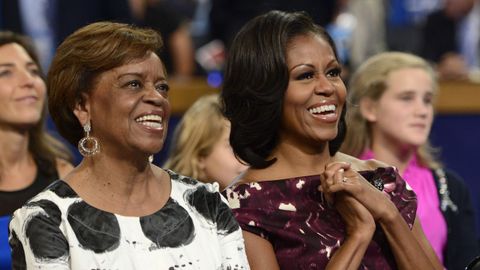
<point>154,96</point>
<point>324,86</point>
<point>422,108</point>
<point>26,78</point>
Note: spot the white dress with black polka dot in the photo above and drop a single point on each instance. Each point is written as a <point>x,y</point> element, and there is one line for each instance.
<point>194,230</point>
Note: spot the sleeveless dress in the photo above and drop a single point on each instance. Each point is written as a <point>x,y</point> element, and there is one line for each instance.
<point>303,230</point>
<point>195,229</point>
<point>12,200</point>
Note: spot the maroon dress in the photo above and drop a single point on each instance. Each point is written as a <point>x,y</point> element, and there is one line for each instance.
<point>304,232</point>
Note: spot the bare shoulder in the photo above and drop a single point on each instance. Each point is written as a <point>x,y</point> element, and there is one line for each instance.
<point>358,164</point>
<point>63,167</point>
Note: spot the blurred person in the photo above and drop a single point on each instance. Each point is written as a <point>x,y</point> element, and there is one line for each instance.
<point>302,204</point>
<point>390,118</point>
<point>452,39</point>
<point>30,159</point>
<point>200,148</point>
<point>178,53</point>
<point>108,94</point>
<point>49,22</point>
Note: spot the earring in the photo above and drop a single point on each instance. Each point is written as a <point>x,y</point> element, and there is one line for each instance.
<point>150,158</point>
<point>88,146</point>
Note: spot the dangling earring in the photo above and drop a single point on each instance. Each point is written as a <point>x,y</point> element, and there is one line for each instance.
<point>88,146</point>
<point>150,158</point>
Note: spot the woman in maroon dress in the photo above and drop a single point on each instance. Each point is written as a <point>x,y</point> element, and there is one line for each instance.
<point>303,205</point>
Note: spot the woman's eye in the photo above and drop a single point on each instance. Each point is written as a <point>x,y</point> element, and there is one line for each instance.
<point>5,72</point>
<point>134,84</point>
<point>163,87</point>
<point>335,72</point>
<point>306,76</point>
<point>35,71</point>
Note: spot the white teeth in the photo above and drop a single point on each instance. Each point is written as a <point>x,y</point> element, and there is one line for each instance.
<point>151,120</point>
<point>152,124</point>
<point>150,117</point>
<point>324,108</point>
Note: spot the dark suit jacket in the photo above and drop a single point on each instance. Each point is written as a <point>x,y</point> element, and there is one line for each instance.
<point>69,15</point>
<point>462,241</point>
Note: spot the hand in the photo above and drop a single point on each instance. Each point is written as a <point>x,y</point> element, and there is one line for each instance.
<point>358,220</point>
<point>339,177</point>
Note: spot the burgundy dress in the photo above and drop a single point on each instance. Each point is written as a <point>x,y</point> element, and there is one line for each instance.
<point>304,232</point>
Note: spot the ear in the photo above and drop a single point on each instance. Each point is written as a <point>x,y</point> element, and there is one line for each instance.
<point>368,109</point>
<point>82,109</point>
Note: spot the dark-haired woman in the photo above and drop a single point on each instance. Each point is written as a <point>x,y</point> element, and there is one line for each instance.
<point>302,204</point>
<point>30,159</point>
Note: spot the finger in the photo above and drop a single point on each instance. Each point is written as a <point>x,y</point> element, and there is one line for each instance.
<point>337,165</point>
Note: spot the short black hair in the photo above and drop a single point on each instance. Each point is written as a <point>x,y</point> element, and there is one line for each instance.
<point>256,78</point>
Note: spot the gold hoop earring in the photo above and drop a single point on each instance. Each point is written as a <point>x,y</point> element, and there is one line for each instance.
<point>88,146</point>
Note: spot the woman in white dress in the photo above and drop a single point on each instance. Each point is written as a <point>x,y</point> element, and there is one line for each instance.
<point>108,93</point>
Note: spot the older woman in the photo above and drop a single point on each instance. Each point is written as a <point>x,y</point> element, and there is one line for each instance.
<point>30,159</point>
<point>108,93</point>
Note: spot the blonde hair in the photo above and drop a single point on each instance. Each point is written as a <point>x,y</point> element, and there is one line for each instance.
<point>370,81</point>
<point>195,136</point>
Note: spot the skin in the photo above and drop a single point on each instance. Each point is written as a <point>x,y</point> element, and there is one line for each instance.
<point>22,99</point>
<point>120,179</point>
<point>402,118</point>
<point>303,150</point>
<point>221,165</point>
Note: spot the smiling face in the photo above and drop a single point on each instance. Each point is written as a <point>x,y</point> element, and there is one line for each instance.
<point>404,113</point>
<point>128,108</point>
<point>315,95</point>
<point>22,90</point>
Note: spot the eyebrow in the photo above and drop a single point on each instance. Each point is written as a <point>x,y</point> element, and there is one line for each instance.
<point>138,74</point>
<point>332,62</point>
<point>12,64</point>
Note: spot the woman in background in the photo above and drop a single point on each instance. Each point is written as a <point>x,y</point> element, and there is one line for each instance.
<point>30,159</point>
<point>392,96</point>
<point>200,147</point>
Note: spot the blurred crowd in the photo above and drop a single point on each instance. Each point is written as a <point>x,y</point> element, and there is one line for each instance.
<point>198,33</point>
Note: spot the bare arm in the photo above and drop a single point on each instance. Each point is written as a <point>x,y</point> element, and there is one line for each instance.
<point>408,245</point>
<point>260,252</point>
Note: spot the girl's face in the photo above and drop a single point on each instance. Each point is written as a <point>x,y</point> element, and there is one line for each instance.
<point>221,165</point>
<point>315,95</point>
<point>22,89</point>
<point>403,115</point>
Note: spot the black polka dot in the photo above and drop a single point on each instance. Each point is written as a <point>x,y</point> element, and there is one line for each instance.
<point>45,237</point>
<point>62,189</point>
<point>50,208</point>
<point>18,254</point>
<point>211,207</point>
<point>171,227</point>
<point>96,230</point>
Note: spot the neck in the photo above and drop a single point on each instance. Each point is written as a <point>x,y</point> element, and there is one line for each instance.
<point>119,185</point>
<point>399,157</point>
<point>14,145</point>
<point>293,161</point>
